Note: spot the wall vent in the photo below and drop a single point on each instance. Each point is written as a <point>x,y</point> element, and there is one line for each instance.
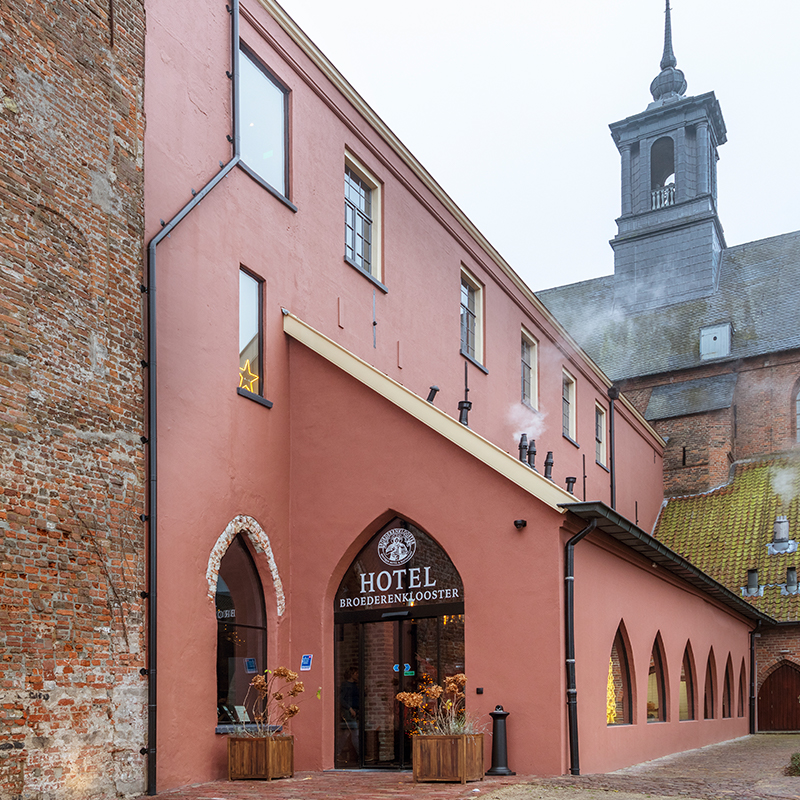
<point>715,341</point>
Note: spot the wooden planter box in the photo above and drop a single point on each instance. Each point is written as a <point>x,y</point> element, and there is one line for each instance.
<point>448,758</point>
<point>260,758</point>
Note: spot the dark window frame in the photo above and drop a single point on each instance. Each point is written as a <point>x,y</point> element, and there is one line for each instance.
<point>242,390</point>
<point>284,195</point>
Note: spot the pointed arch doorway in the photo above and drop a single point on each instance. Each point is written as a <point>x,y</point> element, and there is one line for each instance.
<point>779,700</point>
<point>399,622</point>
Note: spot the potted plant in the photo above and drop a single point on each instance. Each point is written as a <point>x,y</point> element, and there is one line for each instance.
<point>263,751</point>
<point>447,743</point>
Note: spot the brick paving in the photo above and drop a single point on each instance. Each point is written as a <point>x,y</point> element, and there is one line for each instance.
<point>746,768</point>
<point>751,768</point>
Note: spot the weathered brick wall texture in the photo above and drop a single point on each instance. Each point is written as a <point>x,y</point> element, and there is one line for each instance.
<point>701,447</point>
<point>775,646</point>
<point>72,701</point>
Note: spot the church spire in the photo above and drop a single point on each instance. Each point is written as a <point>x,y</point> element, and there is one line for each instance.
<point>668,59</point>
<point>671,82</point>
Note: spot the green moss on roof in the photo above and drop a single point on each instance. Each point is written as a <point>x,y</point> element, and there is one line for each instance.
<point>725,532</point>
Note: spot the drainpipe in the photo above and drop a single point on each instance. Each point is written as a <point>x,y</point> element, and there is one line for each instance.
<point>613,394</point>
<point>152,398</point>
<point>752,698</point>
<point>569,624</point>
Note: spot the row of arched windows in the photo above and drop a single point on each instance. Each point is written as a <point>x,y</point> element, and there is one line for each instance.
<point>619,694</point>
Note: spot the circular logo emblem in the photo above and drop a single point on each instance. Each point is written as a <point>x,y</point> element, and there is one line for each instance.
<point>396,547</point>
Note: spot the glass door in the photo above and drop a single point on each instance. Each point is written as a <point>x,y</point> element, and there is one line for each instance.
<point>375,661</point>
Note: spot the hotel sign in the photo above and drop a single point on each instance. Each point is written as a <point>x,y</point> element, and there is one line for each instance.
<point>399,567</point>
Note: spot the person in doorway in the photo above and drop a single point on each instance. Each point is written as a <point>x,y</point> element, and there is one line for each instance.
<point>349,700</point>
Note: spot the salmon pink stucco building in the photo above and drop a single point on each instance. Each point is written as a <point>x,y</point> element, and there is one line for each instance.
<point>406,467</point>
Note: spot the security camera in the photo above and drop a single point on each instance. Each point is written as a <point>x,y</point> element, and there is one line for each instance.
<point>520,523</point>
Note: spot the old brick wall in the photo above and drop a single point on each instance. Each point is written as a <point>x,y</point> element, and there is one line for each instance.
<point>72,716</point>
<point>774,646</point>
<point>701,447</point>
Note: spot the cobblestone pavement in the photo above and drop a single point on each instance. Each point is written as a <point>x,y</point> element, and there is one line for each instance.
<point>751,768</point>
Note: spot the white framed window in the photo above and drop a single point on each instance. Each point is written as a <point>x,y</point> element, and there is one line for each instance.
<point>471,316</point>
<point>263,123</point>
<point>362,218</point>
<point>600,434</point>
<point>529,370</point>
<point>568,397</point>
<point>715,341</point>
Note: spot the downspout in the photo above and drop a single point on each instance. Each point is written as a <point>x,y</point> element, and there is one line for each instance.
<point>613,394</point>
<point>752,698</point>
<point>151,515</point>
<point>569,624</point>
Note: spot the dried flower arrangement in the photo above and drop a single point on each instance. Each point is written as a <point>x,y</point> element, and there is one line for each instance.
<point>270,701</point>
<point>440,709</point>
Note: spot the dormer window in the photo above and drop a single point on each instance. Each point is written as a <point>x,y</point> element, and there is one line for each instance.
<point>715,341</point>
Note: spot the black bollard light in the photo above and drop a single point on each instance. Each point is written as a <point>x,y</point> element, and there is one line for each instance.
<point>499,744</point>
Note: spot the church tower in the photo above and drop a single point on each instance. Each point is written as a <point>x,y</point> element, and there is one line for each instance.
<point>669,238</point>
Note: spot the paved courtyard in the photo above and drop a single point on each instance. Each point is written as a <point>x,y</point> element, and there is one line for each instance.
<point>751,768</point>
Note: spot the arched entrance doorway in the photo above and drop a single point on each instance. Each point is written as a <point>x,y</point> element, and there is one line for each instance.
<point>779,700</point>
<point>399,621</point>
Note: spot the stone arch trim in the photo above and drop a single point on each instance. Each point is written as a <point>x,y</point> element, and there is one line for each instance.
<point>260,541</point>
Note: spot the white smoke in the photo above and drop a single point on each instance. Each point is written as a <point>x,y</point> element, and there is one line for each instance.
<point>525,420</point>
<point>784,483</point>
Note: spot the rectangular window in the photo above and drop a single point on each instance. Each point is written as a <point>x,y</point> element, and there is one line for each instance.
<point>263,123</point>
<point>600,435</point>
<point>529,370</point>
<point>250,333</point>
<point>362,206</point>
<point>568,405</point>
<point>471,327</point>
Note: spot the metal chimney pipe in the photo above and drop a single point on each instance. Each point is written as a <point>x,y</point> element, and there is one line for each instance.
<point>523,447</point>
<point>532,455</point>
<point>432,393</point>
<point>548,465</point>
<point>780,530</point>
<point>752,582</point>
<point>791,580</point>
<point>571,485</point>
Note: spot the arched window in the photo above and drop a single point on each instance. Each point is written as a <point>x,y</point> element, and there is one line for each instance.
<point>686,704</point>
<point>727,690</point>
<point>710,684</point>
<point>656,695</point>
<point>740,708</point>
<point>618,691</point>
<point>662,173</point>
<point>241,631</point>
<point>662,162</point>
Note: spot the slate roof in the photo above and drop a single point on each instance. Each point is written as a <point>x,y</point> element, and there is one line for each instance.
<point>726,531</point>
<point>758,293</point>
<point>691,397</point>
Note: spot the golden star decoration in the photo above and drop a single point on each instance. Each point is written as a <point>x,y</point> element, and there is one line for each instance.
<point>247,379</point>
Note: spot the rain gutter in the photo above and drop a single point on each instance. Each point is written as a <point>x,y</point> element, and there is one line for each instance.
<point>151,514</point>
<point>569,624</point>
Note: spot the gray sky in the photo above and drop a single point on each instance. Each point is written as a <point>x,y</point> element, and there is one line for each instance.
<point>507,104</point>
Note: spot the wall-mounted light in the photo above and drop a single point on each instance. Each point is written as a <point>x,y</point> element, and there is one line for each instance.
<point>519,524</point>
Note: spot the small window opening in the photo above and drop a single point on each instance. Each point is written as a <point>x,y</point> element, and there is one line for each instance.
<point>708,692</point>
<point>656,707</point>
<point>618,689</point>
<point>686,699</point>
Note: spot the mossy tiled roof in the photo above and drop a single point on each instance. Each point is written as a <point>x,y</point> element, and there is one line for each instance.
<point>726,531</point>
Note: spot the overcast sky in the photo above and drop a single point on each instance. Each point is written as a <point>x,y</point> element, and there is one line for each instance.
<point>507,104</point>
